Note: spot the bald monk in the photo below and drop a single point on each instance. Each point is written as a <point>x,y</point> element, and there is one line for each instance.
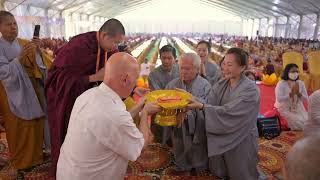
<point>303,160</point>
<point>102,136</point>
<point>77,67</point>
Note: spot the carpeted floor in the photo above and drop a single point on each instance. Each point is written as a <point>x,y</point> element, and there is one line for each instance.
<point>156,162</point>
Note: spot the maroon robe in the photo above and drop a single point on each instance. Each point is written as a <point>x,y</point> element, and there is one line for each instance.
<point>67,79</point>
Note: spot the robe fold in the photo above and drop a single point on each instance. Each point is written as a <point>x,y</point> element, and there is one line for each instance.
<point>190,141</point>
<point>212,72</point>
<point>231,117</point>
<point>23,102</point>
<point>68,79</point>
<point>158,79</point>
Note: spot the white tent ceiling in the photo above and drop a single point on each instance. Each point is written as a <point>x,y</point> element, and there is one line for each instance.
<point>243,8</point>
<point>103,8</point>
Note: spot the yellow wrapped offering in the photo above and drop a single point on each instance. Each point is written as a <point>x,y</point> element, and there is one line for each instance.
<point>271,80</point>
<point>130,103</point>
<point>171,101</point>
<point>140,82</point>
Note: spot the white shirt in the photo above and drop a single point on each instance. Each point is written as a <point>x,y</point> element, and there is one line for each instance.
<point>101,138</point>
<point>145,69</point>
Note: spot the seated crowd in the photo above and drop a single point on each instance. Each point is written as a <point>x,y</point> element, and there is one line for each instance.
<point>74,107</point>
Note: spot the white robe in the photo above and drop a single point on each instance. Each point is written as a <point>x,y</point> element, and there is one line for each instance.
<point>295,116</point>
<point>313,123</point>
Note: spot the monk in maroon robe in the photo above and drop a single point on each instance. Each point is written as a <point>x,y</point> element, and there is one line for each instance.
<point>78,66</point>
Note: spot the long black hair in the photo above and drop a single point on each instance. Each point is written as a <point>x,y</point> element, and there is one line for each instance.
<point>206,43</point>
<point>285,73</point>
<point>221,61</point>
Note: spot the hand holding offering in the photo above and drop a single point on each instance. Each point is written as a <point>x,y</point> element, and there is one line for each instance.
<point>151,108</point>
<point>194,104</point>
<point>182,115</point>
<point>141,91</point>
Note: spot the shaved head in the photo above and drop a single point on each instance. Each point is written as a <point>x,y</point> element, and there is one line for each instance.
<point>113,27</point>
<point>303,160</point>
<point>121,73</point>
<point>8,26</point>
<point>111,34</point>
<point>4,14</point>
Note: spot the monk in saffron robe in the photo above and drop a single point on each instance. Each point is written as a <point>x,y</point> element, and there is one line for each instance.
<point>22,72</point>
<point>78,66</point>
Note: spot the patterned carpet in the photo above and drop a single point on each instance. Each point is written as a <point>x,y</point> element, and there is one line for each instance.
<point>156,162</point>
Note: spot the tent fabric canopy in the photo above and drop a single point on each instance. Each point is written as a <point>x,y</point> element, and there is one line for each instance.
<point>285,18</point>
<point>244,8</point>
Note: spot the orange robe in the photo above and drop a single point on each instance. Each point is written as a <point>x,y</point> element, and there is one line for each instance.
<point>25,137</point>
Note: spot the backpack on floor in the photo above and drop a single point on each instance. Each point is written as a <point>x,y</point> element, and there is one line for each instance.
<point>283,122</point>
<point>269,127</point>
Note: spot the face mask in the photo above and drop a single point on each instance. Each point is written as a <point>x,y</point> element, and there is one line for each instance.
<point>293,76</point>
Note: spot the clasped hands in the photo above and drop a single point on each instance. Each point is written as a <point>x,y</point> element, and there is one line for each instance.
<point>295,90</point>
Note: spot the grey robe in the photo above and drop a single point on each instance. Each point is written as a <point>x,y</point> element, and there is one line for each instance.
<point>190,141</point>
<point>231,117</point>
<point>22,98</point>
<point>159,78</point>
<point>212,72</point>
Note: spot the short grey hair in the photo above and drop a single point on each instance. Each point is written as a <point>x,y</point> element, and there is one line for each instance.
<point>195,58</point>
<point>303,159</point>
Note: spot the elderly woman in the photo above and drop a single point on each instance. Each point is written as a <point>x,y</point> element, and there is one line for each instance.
<point>313,123</point>
<point>231,112</point>
<point>290,95</point>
